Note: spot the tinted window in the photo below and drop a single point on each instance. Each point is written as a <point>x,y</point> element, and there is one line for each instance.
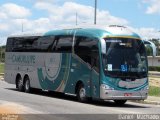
<point>20,44</point>
<point>87,50</point>
<point>43,44</point>
<point>63,44</point>
<point>9,45</point>
<point>125,57</point>
<point>40,44</point>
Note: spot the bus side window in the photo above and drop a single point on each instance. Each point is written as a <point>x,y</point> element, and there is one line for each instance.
<point>63,44</point>
<point>18,44</point>
<point>9,45</point>
<point>29,44</point>
<point>84,47</point>
<point>21,44</point>
<point>44,44</point>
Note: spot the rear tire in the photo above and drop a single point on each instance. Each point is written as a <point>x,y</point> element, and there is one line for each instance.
<point>20,85</point>
<point>120,102</point>
<point>81,93</point>
<point>27,87</point>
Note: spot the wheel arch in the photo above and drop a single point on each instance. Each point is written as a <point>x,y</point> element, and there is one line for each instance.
<point>77,85</point>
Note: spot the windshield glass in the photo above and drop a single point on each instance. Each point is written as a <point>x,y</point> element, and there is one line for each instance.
<point>125,58</point>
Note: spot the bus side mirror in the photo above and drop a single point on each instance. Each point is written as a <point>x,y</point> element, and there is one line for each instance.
<point>103,46</point>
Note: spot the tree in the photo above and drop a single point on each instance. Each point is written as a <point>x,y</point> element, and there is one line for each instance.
<point>157,43</point>
<point>2,53</point>
<point>149,50</point>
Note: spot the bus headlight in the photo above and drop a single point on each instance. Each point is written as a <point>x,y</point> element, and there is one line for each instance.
<point>146,88</point>
<point>106,87</point>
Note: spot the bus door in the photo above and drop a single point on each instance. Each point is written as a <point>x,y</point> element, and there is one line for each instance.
<point>95,82</point>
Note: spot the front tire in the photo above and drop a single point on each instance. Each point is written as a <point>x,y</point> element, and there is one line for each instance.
<point>27,87</point>
<point>81,93</point>
<point>120,102</point>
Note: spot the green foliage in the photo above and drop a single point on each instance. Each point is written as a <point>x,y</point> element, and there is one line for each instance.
<point>154,68</point>
<point>1,68</point>
<point>155,41</point>
<point>154,91</point>
<point>149,50</point>
<point>2,54</point>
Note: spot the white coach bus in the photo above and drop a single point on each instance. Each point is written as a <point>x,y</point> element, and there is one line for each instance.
<point>106,64</point>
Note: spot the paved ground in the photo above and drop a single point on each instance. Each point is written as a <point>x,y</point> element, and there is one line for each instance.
<point>38,103</point>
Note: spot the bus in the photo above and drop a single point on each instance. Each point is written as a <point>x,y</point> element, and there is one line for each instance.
<point>99,63</point>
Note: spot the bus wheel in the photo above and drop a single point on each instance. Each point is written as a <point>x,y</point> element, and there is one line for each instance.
<point>27,87</point>
<point>81,93</point>
<point>120,102</point>
<point>20,85</point>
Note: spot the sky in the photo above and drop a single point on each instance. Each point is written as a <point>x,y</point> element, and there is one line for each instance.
<point>142,16</point>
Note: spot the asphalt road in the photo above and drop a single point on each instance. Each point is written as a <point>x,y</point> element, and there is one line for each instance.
<point>43,104</point>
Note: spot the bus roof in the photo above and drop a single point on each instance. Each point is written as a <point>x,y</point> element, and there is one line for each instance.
<point>93,31</point>
<point>121,31</point>
<point>88,32</point>
<point>26,34</point>
<point>99,32</point>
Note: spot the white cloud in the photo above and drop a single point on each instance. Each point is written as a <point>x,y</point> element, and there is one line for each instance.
<point>147,33</point>
<point>105,18</point>
<point>13,16</point>
<point>56,16</point>
<point>2,40</point>
<point>66,13</point>
<point>14,11</point>
<point>3,15</point>
<point>153,7</point>
<point>49,1</point>
<point>38,25</point>
<point>4,27</point>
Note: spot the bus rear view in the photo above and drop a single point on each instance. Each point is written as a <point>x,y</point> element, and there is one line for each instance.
<point>125,69</point>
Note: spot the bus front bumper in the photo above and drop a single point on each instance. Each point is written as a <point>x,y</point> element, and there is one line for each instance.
<point>107,94</point>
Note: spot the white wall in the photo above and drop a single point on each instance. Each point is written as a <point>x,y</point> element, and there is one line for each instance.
<point>154,61</point>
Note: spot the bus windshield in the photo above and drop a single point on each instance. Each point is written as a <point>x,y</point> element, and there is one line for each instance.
<point>125,58</point>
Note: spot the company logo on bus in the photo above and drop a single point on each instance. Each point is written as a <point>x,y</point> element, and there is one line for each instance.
<point>29,59</point>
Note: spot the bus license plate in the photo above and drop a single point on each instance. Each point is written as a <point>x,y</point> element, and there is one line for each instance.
<point>127,94</point>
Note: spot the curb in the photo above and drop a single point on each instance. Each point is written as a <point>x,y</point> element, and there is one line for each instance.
<point>2,76</point>
<point>154,74</point>
<point>146,102</point>
<point>2,79</point>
